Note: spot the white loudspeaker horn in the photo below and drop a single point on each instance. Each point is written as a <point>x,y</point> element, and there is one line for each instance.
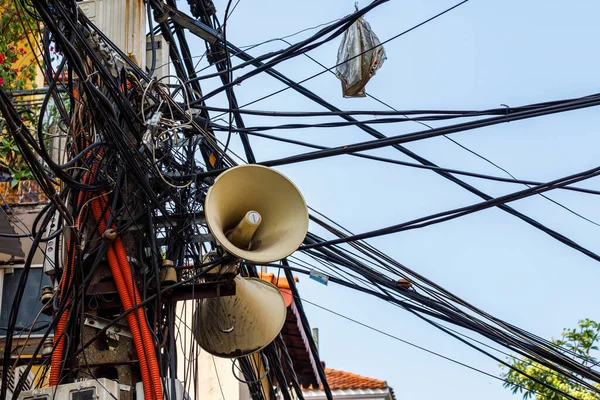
<point>256,213</point>
<point>235,326</point>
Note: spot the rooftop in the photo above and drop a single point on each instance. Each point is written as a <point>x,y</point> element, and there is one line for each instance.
<point>348,385</point>
<point>339,380</point>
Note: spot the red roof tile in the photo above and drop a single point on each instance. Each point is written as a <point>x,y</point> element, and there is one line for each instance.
<point>340,380</point>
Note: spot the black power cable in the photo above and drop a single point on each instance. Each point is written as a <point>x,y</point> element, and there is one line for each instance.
<point>111,108</point>
<point>308,333</point>
<point>462,211</point>
<point>371,131</point>
<point>428,167</point>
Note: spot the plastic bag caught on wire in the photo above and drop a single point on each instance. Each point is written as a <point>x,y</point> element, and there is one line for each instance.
<point>354,68</point>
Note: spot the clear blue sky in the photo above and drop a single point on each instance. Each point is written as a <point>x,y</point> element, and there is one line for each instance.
<point>478,56</point>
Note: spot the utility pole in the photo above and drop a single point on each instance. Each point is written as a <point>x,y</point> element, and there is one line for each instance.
<point>113,354</point>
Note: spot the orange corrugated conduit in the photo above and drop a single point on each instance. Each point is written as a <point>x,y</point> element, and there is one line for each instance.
<point>135,296</point>
<point>130,297</point>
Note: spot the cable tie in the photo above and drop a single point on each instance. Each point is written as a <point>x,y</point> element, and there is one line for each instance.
<point>507,108</point>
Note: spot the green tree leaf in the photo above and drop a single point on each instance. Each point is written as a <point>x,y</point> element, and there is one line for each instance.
<point>582,341</point>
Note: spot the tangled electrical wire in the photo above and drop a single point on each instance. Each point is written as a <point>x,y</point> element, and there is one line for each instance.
<point>140,152</point>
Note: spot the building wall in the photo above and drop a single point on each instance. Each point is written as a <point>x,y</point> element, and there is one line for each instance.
<point>217,380</point>
<point>350,394</point>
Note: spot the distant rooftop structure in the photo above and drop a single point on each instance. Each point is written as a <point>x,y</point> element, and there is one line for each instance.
<point>346,385</point>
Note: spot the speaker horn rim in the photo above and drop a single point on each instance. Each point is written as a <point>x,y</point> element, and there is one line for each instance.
<point>245,254</point>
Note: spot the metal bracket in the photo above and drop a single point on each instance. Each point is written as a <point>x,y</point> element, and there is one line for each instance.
<point>113,332</point>
<point>49,267</point>
<point>196,27</point>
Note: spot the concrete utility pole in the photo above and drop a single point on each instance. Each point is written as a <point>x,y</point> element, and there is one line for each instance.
<point>113,355</point>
